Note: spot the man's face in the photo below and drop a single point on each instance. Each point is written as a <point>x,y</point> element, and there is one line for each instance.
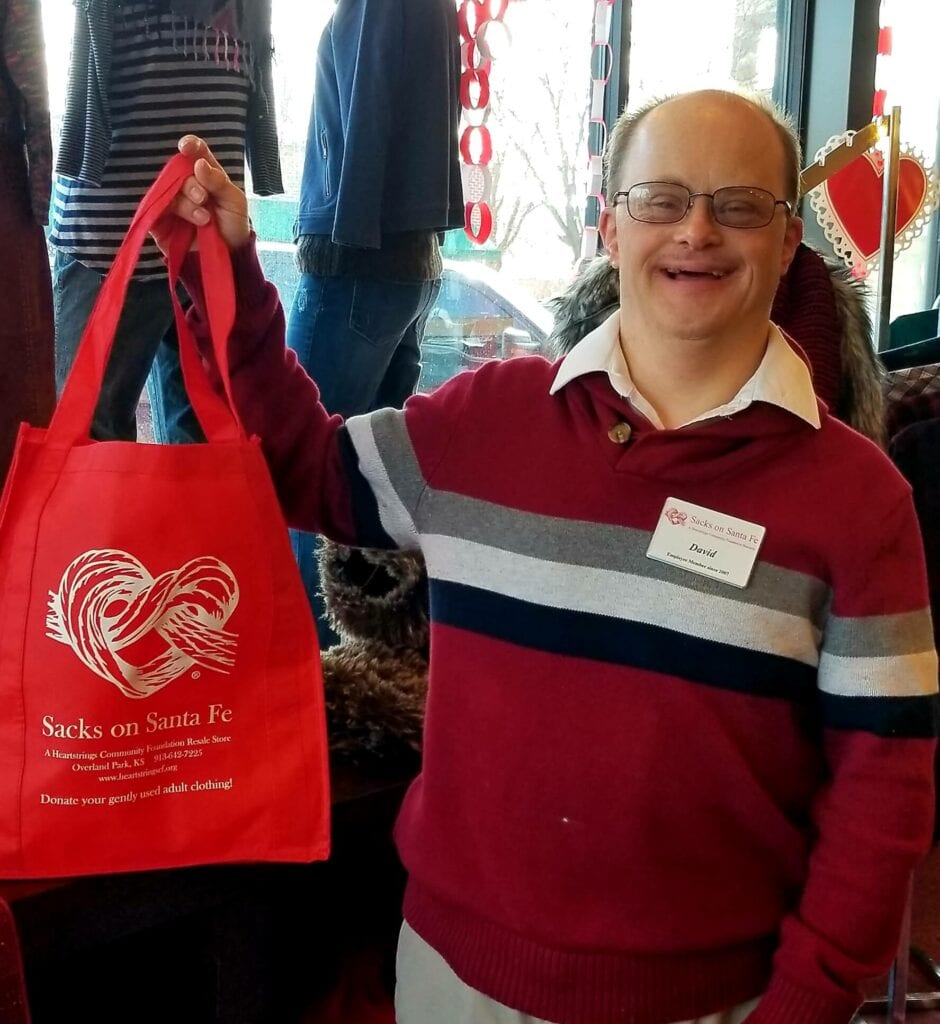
<point>697,279</point>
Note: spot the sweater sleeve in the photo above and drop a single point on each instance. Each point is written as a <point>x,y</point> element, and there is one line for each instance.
<point>877,693</point>
<point>358,481</point>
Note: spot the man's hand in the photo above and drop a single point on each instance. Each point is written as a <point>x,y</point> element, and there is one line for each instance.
<point>208,194</point>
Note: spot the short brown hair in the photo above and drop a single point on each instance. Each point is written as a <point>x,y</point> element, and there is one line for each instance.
<point>627,123</point>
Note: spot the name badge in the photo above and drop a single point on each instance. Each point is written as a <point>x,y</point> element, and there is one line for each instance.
<point>706,542</point>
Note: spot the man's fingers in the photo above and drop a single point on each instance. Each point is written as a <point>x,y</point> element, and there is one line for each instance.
<point>209,194</point>
<point>212,178</point>
<point>198,149</point>
<point>195,213</point>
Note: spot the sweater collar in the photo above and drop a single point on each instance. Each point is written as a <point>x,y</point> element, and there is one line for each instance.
<point>782,378</point>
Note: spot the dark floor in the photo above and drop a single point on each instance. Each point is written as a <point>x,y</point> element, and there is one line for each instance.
<point>358,896</point>
<point>925,933</point>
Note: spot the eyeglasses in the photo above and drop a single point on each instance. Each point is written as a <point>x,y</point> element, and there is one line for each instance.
<point>736,206</point>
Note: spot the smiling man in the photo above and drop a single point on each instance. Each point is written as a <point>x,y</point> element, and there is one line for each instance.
<point>679,736</point>
<point>698,270</point>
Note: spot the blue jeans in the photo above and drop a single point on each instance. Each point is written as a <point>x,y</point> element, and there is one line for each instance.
<point>145,340</point>
<point>360,340</point>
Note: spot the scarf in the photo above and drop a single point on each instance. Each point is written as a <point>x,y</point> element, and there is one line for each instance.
<point>235,22</point>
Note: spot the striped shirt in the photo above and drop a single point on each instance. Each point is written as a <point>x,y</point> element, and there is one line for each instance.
<point>158,91</point>
<point>645,795</point>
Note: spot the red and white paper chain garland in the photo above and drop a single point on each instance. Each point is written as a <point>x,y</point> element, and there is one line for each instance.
<point>602,57</point>
<point>474,17</point>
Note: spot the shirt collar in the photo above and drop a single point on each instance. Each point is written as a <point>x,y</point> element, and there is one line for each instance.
<point>782,378</point>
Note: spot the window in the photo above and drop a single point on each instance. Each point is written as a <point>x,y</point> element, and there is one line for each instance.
<point>677,45</point>
<point>914,31</point>
<point>538,118</point>
<point>539,122</point>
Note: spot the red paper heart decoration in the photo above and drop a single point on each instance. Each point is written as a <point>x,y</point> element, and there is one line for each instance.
<point>848,204</point>
<point>855,200</point>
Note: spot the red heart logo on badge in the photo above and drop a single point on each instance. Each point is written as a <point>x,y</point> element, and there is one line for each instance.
<point>854,198</point>
<point>141,632</point>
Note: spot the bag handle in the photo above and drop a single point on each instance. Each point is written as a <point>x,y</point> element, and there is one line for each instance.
<point>71,422</point>
<point>217,415</point>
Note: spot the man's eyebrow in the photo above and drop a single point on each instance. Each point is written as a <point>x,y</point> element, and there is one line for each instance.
<point>668,179</point>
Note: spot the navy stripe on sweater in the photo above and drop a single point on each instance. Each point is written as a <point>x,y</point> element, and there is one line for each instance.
<point>633,644</point>
<point>889,717</point>
<point>368,524</point>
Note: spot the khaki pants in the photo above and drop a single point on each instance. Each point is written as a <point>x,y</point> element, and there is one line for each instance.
<point>428,992</point>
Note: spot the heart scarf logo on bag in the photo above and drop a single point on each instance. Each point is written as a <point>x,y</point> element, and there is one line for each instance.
<point>141,632</point>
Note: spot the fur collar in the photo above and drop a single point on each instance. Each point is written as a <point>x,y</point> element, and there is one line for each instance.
<point>840,313</point>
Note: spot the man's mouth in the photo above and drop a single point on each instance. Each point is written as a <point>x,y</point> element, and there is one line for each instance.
<point>683,273</point>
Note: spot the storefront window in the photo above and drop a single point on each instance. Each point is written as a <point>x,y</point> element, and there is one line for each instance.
<point>490,301</point>
<point>677,45</point>
<point>903,74</point>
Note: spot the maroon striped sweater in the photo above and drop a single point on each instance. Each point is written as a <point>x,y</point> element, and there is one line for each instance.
<point>646,795</point>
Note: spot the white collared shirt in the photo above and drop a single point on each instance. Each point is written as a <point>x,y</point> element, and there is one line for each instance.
<point>782,378</point>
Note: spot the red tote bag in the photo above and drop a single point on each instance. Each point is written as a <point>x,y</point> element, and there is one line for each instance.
<point>161,699</point>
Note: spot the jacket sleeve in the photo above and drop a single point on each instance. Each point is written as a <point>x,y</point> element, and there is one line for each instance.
<point>359,481</point>
<point>261,145</point>
<point>877,694</point>
<point>85,139</point>
<point>367,44</point>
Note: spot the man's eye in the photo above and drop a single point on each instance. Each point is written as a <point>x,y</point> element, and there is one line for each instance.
<point>738,209</point>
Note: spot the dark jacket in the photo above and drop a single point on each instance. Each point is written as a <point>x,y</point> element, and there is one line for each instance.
<point>24,99</point>
<point>382,144</point>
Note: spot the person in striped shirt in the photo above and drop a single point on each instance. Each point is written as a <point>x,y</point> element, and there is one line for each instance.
<point>679,737</point>
<point>142,72</point>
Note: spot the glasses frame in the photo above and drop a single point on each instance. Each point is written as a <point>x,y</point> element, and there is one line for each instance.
<point>623,196</point>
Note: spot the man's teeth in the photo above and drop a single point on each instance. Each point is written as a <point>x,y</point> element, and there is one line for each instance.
<point>695,273</point>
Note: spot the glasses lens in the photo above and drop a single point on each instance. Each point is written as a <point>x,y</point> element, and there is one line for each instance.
<point>658,202</point>
<point>738,207</point>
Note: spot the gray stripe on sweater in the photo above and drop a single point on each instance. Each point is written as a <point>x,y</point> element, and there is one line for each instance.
<point>623,596</point>
<point>594,545</point>
<point>554,539</point>
<point>374,436</point>
<point>877,636</point>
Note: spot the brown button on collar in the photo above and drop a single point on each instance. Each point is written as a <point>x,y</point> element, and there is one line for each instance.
<point>620,433</point>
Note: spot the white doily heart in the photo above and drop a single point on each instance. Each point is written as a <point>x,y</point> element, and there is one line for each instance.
<point>848,204</point>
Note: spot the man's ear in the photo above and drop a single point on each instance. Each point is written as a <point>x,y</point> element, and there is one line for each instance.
<point>607,226</point>
<point>791,239</point>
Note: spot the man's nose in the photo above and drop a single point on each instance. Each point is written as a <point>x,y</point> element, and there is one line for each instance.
<point>699,227</point>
